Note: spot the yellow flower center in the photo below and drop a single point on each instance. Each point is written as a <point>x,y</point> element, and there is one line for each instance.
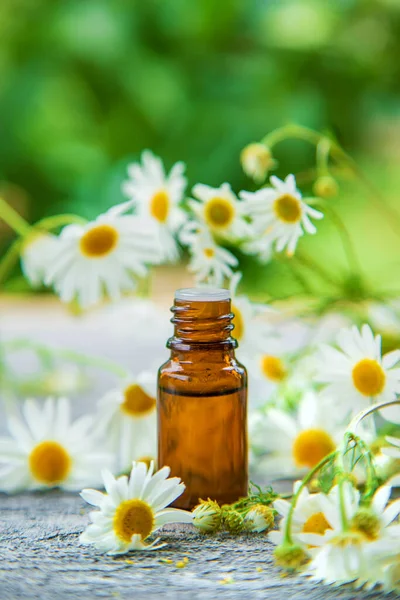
<point>366,523</point>
<point>209,252</point>
<point>238,322</point>
<point>159,206</point>
<point>133,517</point>
<point>368,377</point>
<point>99,241</point>
<point>49,463</point>
<point>265,512</point>
<point>136,402</point>
<point>288,208</point>
<point>316,524</point>
<point>273,368</point>
<point>311,446</point>
<point>348,539</point>
<point>219,212</point>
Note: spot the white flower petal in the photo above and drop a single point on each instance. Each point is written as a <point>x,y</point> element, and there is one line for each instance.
<point>93,497</point>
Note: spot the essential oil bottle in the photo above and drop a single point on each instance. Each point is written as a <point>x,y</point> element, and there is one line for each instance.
<point>202,401</point>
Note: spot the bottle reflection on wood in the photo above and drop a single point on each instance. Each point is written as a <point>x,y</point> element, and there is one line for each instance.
<point>202,401</point>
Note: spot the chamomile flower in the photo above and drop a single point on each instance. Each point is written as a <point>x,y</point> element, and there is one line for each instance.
<point>127,415</point>
<point>295,443</point>
<point>209,262</point>
<point>257,160</point>
<point>102,256</point>
<point>308,517</point>
<point>156,196</point>
<point>271,368</point>
<point>270,372</point>
<point>358,539</point>
<point>47,450</point>
<point>280,212</point>
<point>357,374</point>
<point>207,516</point>
<point>259,518</point>
<point>131,510</point>
<point>36,254</point>
<point>220,211</point>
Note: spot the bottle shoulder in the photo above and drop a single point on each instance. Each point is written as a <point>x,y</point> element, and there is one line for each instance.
<point>200,374</point>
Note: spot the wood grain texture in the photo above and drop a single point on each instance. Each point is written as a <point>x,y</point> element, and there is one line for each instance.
<point>40,557</point>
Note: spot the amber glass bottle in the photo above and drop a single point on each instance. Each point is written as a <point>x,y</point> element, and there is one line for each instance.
<point>202,401</point>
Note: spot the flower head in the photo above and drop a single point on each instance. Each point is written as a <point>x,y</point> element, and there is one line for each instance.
<point>220,211</point>
<point>131,510</point>
<point>359,537</point>
<point>296,442</point>
<point>257,161</point>
<point>259,518</point>
<point>36,254</point>
<point>290,556</point>
<point>232,519</point>
<point>308,517</point>
<point>207,516</point>
<point>357,374</point>
<point>326,186</point>
<point>209,262</point>
<point>280,213</point>
<point>156,197</point>
<point>102,256</point>
<point>47,450</point>
<point>127,417</point>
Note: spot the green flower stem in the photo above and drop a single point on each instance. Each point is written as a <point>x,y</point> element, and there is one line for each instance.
<point>308,262</point>
<point>25,231</point>
<point>10,258</point>
<point>56,221</point>
<point>341,470</point>
<point>365,451</point>
<point>342,507</point>
<point>14,219</point>
<point>347,242</point>
<point>288,533</point>
<point>68,355</point>
<point>256,496</point>
<point>372,480</point>
<point>302,281</point>
<point>322,156</point>
<point>354,423</point>
<point>291,131</point>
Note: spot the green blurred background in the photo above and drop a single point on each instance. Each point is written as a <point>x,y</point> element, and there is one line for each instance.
<point>85,85</point>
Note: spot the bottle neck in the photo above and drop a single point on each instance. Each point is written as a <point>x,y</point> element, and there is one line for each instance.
<point>202,326</point>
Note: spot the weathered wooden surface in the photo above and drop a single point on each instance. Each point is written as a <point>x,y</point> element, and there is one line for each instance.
<point>40,557</point>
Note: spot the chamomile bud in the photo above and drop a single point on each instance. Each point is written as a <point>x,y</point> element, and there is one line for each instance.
<point>257,161</point>
<point>290,556</point>
<point>326,187</point>
<point>207,516</point>
<point>233,521</point>
<point>259,518</point>
<point>366,522</point>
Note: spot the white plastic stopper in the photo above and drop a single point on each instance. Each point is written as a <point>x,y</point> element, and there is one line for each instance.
<point>202,294</point>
